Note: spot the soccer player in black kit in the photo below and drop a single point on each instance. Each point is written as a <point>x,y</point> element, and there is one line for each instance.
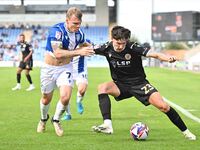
<point>129,79</point>
<point>26,63</point>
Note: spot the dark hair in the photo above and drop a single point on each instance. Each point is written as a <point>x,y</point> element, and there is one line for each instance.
<point>22,35</point>
<point>74,11</point>
<point>119,33</point>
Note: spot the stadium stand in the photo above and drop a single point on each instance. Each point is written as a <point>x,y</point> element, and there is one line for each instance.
<point>36,35</point>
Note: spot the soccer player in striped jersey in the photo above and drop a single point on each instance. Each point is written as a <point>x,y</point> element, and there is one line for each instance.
<point>62,45</point>
<point>80,76</point>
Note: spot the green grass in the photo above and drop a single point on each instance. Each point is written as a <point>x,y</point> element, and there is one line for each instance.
<point>19,115</point>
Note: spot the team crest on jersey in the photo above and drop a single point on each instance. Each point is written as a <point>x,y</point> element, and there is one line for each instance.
<point>127,56</point>
<point>58,35</point>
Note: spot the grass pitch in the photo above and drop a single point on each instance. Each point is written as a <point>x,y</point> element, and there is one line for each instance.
<point>19,115</point>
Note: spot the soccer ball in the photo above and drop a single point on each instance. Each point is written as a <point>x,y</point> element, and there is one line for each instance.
<point>139,131</point>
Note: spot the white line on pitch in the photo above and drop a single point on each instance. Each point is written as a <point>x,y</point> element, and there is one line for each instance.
<point>182,110</point>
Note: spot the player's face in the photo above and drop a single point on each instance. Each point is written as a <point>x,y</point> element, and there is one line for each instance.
<point>73,23</point>
<point>21,39</point>
<point>119,45</point>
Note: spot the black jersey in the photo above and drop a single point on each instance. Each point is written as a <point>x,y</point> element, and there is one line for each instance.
<point>25,48</point>
<point>125,66</point>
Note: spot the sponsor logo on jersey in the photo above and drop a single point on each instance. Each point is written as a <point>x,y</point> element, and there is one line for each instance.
<point>123,63</point>
<point>58,35</point>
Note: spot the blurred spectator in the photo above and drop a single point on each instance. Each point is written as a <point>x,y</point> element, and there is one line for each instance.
<point>1,52</point>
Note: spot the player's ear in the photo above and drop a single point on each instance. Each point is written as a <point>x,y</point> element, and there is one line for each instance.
<point>67,20</point>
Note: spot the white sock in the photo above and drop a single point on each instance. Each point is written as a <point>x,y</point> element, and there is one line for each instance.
<point>18,84</point>
<point>108,122</point>
<point>44,110</point>
<point>60,109</point>
<point>79,98</point>
<point>68,112</point>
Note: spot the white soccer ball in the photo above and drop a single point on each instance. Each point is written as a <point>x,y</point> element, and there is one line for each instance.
<point>139,131</point>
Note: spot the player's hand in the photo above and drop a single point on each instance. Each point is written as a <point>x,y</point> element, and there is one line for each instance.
<point>172,59</point>
<point>86,51</point>
<point>25,60</point>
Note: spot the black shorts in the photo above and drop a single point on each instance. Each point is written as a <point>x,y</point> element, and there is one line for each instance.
<point>140,91</point>
<point>26,65</point>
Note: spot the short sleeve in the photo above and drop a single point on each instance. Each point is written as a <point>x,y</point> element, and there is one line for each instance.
<point>139,49</point>
<point>55,34</point>
<point>101,49</point>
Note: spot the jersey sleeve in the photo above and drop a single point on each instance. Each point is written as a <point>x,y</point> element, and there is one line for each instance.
<point>30,47</point>
<point>101,49</point>
<point>140,49</point>
<point>55,36</point>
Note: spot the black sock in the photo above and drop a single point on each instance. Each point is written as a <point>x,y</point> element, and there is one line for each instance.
<point>29,78</point>
<point>105,106</point>
<point>176,119</point>
<point>18,77</point>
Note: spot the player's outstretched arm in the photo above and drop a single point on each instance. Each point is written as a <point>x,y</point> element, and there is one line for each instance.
<point>62,53</point>
<point>161,56</point>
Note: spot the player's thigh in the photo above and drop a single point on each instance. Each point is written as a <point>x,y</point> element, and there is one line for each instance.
<point>47,82</point>
<point>19,70</point>
<point>65,93</point>
<point>27,71</point>
<point>65,83</point>
<point>80,78</point>
<point>82,87</point>
<point>156,100</point>
<point>109,88</point>
<point>82,83</point>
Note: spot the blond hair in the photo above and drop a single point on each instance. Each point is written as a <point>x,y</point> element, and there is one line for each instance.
<point>74,11</point>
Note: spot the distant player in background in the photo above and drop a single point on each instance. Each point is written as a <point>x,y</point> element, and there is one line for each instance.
<point>26,63</point>
<point>80,76</point>
<point>129,79</point>
<point>62,45</point>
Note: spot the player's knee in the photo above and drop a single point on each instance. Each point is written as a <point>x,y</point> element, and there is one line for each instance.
<point>45,100</point>
<point>64,99</point>
<point>164,108</point>
<point>82,92</point>
<point>102,88</point>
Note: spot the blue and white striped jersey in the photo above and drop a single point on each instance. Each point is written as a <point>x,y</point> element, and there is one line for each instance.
<point>67,40</point>
<point>80,63</point>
